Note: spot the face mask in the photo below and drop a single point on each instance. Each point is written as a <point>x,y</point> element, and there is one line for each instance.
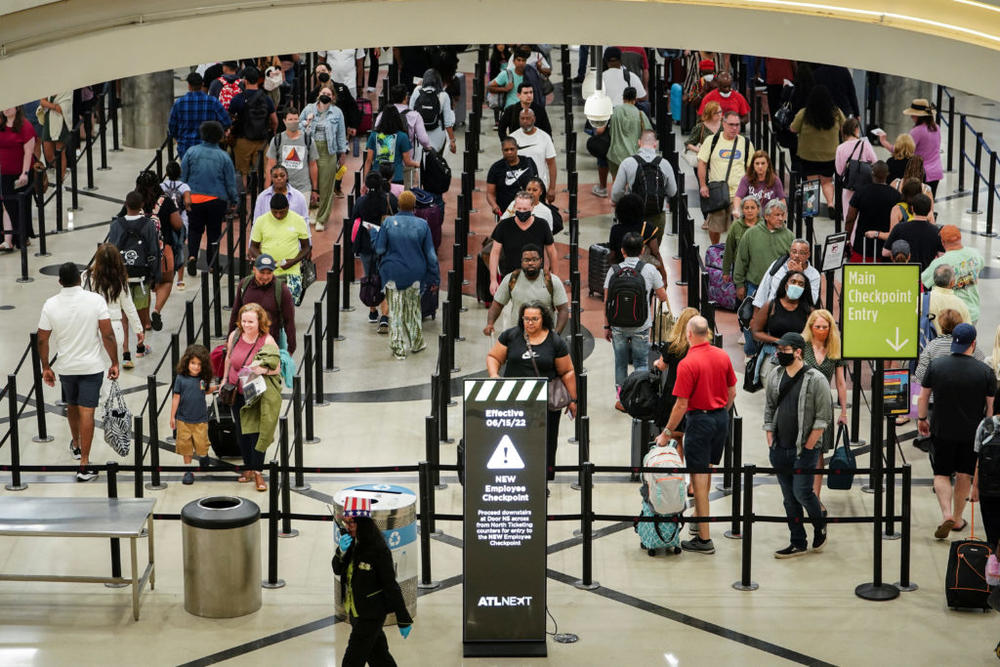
<point>323,76</point>
<point>523,216</point>
<point>794,291</point>
<point>292,126</point>
<point>786,358</point>
<point>722,94</point>
<point>325,99</point>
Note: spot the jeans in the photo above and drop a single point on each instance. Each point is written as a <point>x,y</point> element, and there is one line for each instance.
<point>797,490</point>
<point>626,341</point>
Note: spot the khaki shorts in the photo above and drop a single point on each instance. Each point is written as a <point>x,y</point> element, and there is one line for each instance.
<point>140,295</point>
<point>245,152</point>
<point>719,221</point>
<point>191,438</point>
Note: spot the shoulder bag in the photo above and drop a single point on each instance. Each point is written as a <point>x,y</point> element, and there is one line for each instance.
<point>718,191</point>
<point>842,464</point>
<point>558,393</point>
<point>227,394</point>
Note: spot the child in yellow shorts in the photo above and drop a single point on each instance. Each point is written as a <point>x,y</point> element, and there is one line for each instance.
<point>188,412</point>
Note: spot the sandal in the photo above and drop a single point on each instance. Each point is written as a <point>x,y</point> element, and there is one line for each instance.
<point>902,420</point>
<point>957,529</point>
<point>245,477</point>
<point>943,530</point>
<point>261,484</point>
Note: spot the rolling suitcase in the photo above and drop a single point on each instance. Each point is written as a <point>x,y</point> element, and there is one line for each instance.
<point>222,433</point>
<point>722,293</point>
<point>655,535</point>
<point>431,212</point>
<point>483,274</point>
<point>428,303</point>
<point>599,263</point>
<point>365,111</point>
<point>965,585</point>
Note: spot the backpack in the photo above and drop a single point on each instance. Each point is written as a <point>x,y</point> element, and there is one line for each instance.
<point>135,252</point>
<point>516,273</point>
<point>429,107</point>
<point>650,184</point>
<point>385,148</point>
<point>667,490</point>
<point>278,283</point>
<point>640,394</point>
<point>988,436</point>
<point>172,189</point>
<point>229,90</point>
<point>255,116</point>
<point>435,173</point>
<point>627,304</point>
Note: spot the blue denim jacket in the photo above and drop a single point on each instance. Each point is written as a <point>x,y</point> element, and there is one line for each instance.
<point>406,251</point>
<point>207,169</point>
<point>334,126</point>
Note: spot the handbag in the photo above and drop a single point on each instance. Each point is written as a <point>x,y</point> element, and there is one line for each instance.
<point>117,421</point>
<point>842,464</point>
<point>559,397</point>
<point>857,173</point>
<point>598,145</point>
<point>370,292</point>
<point>744,314</point>
<point>751,385</point>
<point>718,191</point>
<point>308,269</point>
<point>227,393</point>
<point>783,117</point>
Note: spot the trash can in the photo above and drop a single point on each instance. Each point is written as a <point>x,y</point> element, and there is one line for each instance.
<point>221,537</point>
<point>394,510</point>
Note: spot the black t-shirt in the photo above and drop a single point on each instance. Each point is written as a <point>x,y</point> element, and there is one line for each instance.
<point>510,120</point>
<point>923,237</point>
<point>897,166</point>
<point>620,229</point>
<point>510,180</point>
<point>371,208</point>
<point>519,363</point>
<point>780,320</point>
<point>874,205</point>
<point>513,238</point>
<point>239,104</point>
<point>786,416</point>
<point>960,385</point>
<point>167,208</point>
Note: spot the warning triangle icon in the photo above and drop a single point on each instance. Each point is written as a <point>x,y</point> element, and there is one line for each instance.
<point>505,457</point>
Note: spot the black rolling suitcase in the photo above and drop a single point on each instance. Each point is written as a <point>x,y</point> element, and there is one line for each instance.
<point>643,434</point>
<point>965,584</point>
<point>222,432</point>
<point>599,263</point>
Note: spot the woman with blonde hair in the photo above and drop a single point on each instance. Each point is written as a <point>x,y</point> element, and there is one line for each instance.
<point>709,125</point>
<point>823,353</point>
<point>994,359</point>
<point>902,150</point>
<point>672,350</point>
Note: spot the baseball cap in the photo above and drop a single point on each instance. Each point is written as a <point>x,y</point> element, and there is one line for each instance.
<point>265,263</point>
<point>792,339</point>
<point>612,53</point>
<point>962,337</point>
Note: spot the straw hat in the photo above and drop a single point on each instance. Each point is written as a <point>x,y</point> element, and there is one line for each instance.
<point>919,107</point>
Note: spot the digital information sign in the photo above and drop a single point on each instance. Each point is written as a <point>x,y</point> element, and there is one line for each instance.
<point>504,553</point>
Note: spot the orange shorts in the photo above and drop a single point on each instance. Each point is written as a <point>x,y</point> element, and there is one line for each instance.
<point>191,438</point>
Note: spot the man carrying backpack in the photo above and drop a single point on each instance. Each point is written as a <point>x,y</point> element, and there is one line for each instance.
<point>271,294</point>
<point>627,314</point>
<point>136,238</point>
<point>527,284</point>
<point>648,176</point>
<point>254,120</point>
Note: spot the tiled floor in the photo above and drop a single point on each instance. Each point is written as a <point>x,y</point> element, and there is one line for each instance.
<point>664,610</point>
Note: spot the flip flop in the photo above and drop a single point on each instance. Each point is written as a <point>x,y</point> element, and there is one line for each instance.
<point>945,528</point>
<point>956,529</point>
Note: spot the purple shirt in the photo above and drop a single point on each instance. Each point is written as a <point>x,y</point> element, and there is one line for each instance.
<point>761,191</point>
<point>929,148</point>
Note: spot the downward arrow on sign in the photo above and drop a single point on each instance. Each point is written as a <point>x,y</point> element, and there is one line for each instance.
<point>897,345</point>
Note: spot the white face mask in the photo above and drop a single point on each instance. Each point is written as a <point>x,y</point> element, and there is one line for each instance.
<point>709,77</point>
<point>722,94</point>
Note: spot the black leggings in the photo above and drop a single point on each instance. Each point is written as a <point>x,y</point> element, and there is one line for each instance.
<point>551,440</point>
<point>205,217</point>
<point>14,201</point>
<point>252,459</point>
<point>367,644</point>
<point>372,70</point>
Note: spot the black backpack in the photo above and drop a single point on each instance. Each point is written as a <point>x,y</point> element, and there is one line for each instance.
<point>640,394</point>
<point>650,185</point>
<point>435,174</point>
<point>255,116</point>
<point>989,459</point>
<point>429,107</point>
<point>628,302</point>
<point>135,252</point>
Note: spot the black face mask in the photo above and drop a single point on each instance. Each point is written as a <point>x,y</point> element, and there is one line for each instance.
<point>323,76</point>
<point>325,99</point>
<point>786,358</point>
<point>523,216</point>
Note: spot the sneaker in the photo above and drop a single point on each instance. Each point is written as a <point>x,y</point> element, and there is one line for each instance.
<point>181,286</point>
<point>423,346</point>
<point>86,474</point>
<point>192,266</point>
<point>699,545</point>
<point>188,478</point>
<point>141,351</point>
<point>791,551</point>
<point>383,324</point>
<point>372,316</point>
<point>339,194</point>
<point>156,320</point>
<point>599,191</point>
<point>74,450</point>
<point>320,226</point>
<point>399,357</point>
<point>819,540</point>
<point>127,363</point>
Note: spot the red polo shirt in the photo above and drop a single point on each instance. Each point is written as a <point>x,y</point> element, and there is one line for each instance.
<point>704,377</point>
<point>734,102</point>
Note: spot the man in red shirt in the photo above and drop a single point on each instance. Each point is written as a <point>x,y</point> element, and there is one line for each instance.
<point>705,389</point>
<point>728,99</point>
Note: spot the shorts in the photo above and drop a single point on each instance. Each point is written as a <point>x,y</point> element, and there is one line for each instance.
<point>719,221</point>
<point>140,295</point>
<point>82,390</point>
<point>705,437</point>
<point>191,438</point>
<point>659,221</point>
<point>952,456</point>
<point>810,168</point>
<point>245,152</point>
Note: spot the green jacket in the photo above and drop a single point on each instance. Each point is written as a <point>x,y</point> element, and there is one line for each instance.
<point>262,416</point>
<point>733,237</point>
<point>759,247</point>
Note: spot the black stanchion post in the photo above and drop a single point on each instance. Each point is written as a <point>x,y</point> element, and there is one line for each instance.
<point>22,232</point>
<point>991,193</point>
<point>319,397</point>
<point>348,260</point>
<point>904,584</point>
<point>307,367</point>
<point>189,321</point>
<point>102,121</point>
<point>746,583</point>
<point>727,452</point>
<point>154,435</point>
<point>425,582</point>
<point>216,294</point>
<point>300,484</point>
<point>737,492</point>
<point>581,406</point>
<point>890,480</point>
<point>286,493</point>
<point>39,201</point>
<point>586,529</point>
<point>36,374</point>
<point>951,132</point>
<point>88,150</point>
<point>137,455</point>
<point>856,400</point>
<point>961,153</point>
<point>206,321</point>
<point>15,438</point>
<point>433,453</point>
<point>59,190</point>
<point>333,303</point>
<point>273,513</point>
<point>231,262</point>
<point>74,190</point>
<point>977,173</point>
<point>116,550</point>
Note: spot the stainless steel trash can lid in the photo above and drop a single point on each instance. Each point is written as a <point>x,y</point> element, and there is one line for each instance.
<point>220,512</point>
<point>384,497</point>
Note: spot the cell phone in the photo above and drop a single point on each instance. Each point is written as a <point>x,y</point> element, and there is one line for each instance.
<point>877,131</point>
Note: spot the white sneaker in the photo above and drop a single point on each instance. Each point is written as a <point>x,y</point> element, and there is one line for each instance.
<point>599,191</point>
<point>320,226</point>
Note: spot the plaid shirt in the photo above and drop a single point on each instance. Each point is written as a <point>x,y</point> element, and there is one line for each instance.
<point>187,115</point>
